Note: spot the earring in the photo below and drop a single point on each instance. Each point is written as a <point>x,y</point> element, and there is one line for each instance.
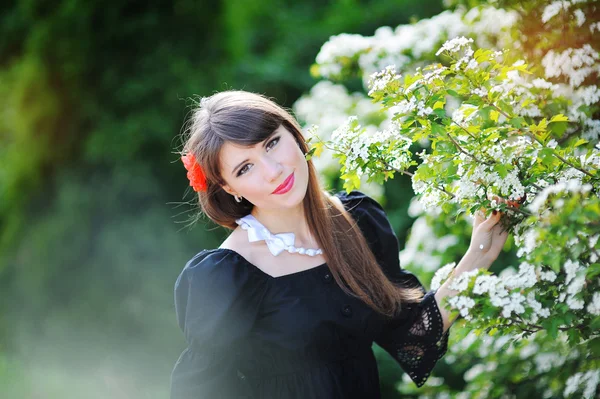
<point>237,198</point>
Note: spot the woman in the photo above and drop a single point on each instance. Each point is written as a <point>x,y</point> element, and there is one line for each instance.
<point>290,303</point>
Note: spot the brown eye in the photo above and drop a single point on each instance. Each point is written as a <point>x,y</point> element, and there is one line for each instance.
<point>240,171</point>
<point>276,139</point>
<point>269,146</point>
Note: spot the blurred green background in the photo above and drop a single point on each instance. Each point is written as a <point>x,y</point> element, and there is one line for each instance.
<point>93,198</point>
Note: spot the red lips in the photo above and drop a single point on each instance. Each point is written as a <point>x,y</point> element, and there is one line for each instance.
<point>285,186</point>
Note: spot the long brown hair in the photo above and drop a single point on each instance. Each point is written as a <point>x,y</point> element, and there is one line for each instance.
<point>245,119</point>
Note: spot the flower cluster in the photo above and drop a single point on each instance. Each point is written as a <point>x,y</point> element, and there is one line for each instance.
<point>587,380</point>
<point>195,174</point>
<point>402,45</point>
<point>363,151</point>
<point>575,64</point>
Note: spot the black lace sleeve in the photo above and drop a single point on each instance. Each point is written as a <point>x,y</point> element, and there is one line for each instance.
<point>416,339</point>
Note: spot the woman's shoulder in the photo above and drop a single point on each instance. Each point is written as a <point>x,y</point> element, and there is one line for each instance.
<point>208,261</point>
<point>215,289</point>
<point>358,203</point>
<point>217,275</point>
<point>216,266</point>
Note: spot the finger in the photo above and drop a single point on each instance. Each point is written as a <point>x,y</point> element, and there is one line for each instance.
<point>489,224</point>
<point>479,217</point>
<point>496,198</point>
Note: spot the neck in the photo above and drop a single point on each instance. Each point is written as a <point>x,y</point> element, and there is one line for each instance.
<point>288,221</point>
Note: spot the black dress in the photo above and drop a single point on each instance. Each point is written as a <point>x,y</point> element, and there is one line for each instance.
<point>251,335</point>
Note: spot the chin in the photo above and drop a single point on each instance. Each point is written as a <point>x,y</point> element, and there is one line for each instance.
<point>296,195</point>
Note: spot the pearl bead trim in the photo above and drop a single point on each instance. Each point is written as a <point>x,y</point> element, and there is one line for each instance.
<point>291,248</point>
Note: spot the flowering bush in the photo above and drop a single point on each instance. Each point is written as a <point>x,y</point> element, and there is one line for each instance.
<point>494,112</point>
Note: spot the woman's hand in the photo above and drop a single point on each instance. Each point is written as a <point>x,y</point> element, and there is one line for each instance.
<point>488,237</point>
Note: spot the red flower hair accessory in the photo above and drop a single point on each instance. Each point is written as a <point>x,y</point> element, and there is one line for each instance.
<point>195,173</point>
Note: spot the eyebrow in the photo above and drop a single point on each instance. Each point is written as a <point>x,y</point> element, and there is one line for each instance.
<point>265,141</point>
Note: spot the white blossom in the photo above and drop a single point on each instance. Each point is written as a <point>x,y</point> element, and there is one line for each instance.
<point>461,282</point>
<point>579,16</point>
<point>476,370</point>
<point>571,269</point>
<point>594,305</point>
<point>500,344</point>
<point>542,84</point>
<point>379,80</point>
<point>593,240</point>
<point>441,274</point>
<point>480,91</point>
<point>572,185</point>
<point>576,284</point>
<point>528,350</point>
<point>575,303</point>
<point>420,249</point>
<point>536,306</point>
<point>514,304</point>
<point>484,284</point>
<point>544,362</point>
<point>463,304</point>
<point>391,46</point>
<point>464,113</point>
<point>553,9</point>
<point>328,106</point>
<point>548,275</point>
<point>343,45</point>
<point>528,241</point>
<point>524,278</point>
<point>590,378</point>
<point>576,64</point>
<point>588,95</point>
<point>592,131</point>
<point>454,45</point>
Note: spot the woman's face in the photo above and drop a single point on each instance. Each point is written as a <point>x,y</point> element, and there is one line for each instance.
<point>256,172</point>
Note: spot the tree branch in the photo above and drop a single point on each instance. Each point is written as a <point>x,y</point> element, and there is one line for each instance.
<point>390,167</point>
<point>465,152</point>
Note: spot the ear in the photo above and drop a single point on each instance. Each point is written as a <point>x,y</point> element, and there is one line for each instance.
<point>228,189</point>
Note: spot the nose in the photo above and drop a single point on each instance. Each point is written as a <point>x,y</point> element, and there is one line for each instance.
<point>273,169</point>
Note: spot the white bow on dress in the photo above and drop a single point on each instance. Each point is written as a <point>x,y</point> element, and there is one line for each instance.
<point>276,243</point>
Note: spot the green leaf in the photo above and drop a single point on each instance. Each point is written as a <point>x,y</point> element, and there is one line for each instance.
<point>494,115</point>
<point>482,55</point>
<point>593,270</point>
<point>440,112</point>
<point>559,118</point>
<point>318,148</point>
<point>438,105</point>
<point>546,157</point>
<point>437,130</point>
<point>501,169</point>
<point>517,122</point>
<point>558,128</point>
<point>551,326</point>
